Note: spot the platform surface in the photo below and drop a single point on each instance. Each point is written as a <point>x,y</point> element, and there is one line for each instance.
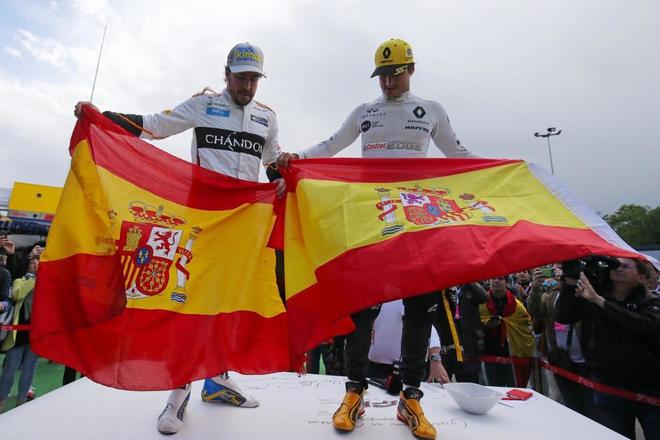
<point>292,407</point>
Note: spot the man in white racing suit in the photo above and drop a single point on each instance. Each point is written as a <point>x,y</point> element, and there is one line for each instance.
<point>400,126</point>
<point>233,134</point>
<point>396,125</point>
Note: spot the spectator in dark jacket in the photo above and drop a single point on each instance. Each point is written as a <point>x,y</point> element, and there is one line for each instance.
<point>464,302</point>
<point>5,281</point>
<point>621,342</point>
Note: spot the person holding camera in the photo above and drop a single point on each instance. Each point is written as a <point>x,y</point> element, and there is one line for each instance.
<point>620,337</point>
<point>17,343</point>
<point>522,285</point>
<point>18,259</point>
<point>561,342</point>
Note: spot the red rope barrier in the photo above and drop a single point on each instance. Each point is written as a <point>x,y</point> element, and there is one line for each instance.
<point>607,389</point>
<point>625,394</point>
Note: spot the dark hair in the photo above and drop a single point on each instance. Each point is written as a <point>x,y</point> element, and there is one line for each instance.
<point>3,251</point>
<point>641,267</point>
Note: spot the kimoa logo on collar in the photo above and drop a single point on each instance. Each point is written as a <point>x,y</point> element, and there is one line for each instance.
<point>259,120</point>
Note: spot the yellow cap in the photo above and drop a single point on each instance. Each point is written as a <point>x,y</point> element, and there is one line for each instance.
<point>392,56</point>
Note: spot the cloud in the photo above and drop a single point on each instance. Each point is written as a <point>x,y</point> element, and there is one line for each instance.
<point>91,7</point>
<point>43,49</point>
<point>98,10</point>
<point>13,52</point>
<point>35,136</point>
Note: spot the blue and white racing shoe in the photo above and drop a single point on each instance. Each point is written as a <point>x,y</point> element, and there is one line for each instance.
<point>170,421</point>
<point>221,389</point>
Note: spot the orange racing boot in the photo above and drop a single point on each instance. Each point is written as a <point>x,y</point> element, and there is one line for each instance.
<point>351,407</point>
<point>410,411</point>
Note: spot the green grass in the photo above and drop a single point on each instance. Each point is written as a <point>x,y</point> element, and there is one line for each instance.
<point>47,377</point>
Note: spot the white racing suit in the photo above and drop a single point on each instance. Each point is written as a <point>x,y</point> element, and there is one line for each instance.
<point>227,138</point>
<point>391,128</point>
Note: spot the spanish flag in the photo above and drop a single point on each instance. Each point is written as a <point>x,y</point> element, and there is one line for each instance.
<point>359,232</point>
<point>157,271</point>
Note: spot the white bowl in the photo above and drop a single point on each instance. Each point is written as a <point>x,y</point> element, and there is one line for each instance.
<point>472,397</point>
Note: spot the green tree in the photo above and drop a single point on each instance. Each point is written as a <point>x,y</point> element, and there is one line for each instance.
<point>637,225</point>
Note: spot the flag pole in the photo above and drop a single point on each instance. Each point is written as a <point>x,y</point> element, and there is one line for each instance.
<point>98,63</point>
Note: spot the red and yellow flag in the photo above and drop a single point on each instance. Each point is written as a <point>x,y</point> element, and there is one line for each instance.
<point>157,271</point>
<point>363,231</point>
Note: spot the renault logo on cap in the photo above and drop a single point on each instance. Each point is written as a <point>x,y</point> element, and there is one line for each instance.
<point>387,52</point>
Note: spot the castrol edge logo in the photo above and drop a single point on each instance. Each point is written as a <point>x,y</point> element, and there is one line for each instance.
<point>375,146</point>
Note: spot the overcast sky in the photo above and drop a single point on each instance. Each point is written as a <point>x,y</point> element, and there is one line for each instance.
<point>502,69</point>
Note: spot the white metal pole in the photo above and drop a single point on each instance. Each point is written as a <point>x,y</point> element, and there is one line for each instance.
<point>98,63</point>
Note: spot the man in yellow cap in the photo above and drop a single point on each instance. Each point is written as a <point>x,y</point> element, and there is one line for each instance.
<point>396,125</point>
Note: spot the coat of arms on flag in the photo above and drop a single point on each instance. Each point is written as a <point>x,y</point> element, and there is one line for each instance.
<point>120,260</point>
<point>430,207</point>
<point>148,247</point>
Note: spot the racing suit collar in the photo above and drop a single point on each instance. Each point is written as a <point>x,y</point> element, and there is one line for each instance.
<point>227,96</point>
<point>404,97</point>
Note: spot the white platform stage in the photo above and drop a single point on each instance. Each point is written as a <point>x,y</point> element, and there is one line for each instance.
<point>292,407</point>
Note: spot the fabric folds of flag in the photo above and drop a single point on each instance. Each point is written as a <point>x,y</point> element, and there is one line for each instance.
<point>157,271</point>
<point>364,231</point>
